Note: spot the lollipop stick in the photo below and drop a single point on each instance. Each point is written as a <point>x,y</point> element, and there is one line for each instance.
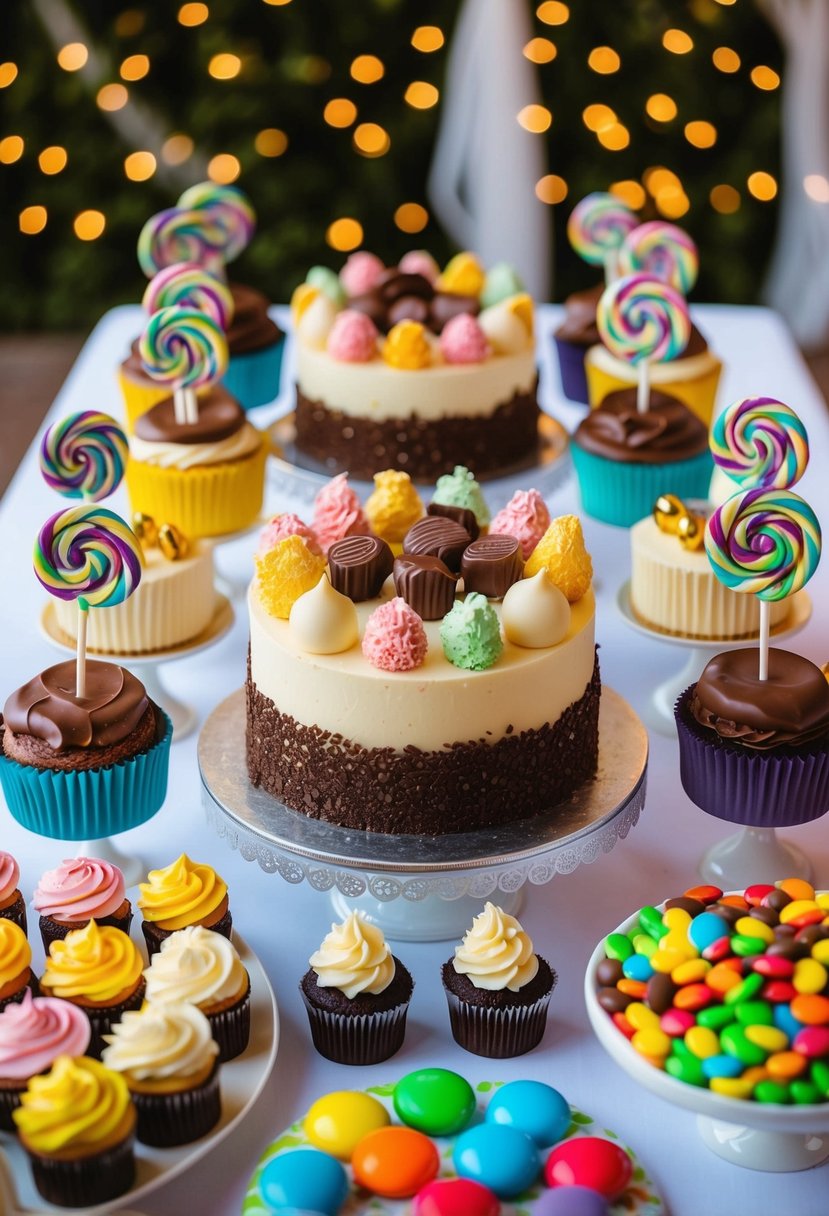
<point>611,267</point>
<point>765,617</point>
<point>80,654</point>
<point>643,388</point>
<point>185,406</point>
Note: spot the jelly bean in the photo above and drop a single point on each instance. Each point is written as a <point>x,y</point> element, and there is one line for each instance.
<point>612,1000</point>
<point>676,1022</point>
<point>810,976</point>
<point>797,888</point>
<point>634,988</point>
<point>705,929</point>
<point>679,1050</point>
<point>750,986</point>
<point>755,1013</point>
<point>660,994</point>
<point>784,1065</point>
<point>304,1178</point>
<point>721,978</point>
<point>643,944</point>
<point>691,972</point>
<point>721,1066</point>
<point>676,918</point>
<point>720,950</point>
<point>734,1043</point>
<point>692,906</point>
<point>650,920</point>
<point>641,1017</point>
<point>621,1023</point>
<point>820,951</point>
<point>822,900</point>
<point>756,893</point>
<point>777,991</point>
<point>637,967</point>
<point>766,916</point>
<point>653,1043</point>
<point>767,1037</point>
<point>455,1197</point>
<point>702,1042</point>
<point>772,1091</point>
<point>534,1108</point>
<point>337,1122</point>
<point>745,946</point>
<point>675,940</point>
<point>618,946</point>
<point>591,1162</point>
<point>773,967</point>
<point>693,997</point>
<point>804,1093</point>
<point>706,894</point>
<point>716,1016</point>
<point>813,918</point>
<point>667,961</point>
<point>395,1162</point>
<point>750,926</point>
<point>812,1041</point>
<point>571,1201</point>
<point>733,901</point>
<point>756,1074</point>
<point>500,1157</point>
<point>687,1069</point>
<point>785,1019</point>
<point>731,1087</point>
<point>776,899</point>
<point>435,1101</point>
<point>819,1073</point>
<point>797,908</point>
<point>609,971</point>
<point>810,1009</point>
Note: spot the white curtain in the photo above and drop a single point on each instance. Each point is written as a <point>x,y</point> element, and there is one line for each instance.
<point>485,165</point>
<point>798,280</point>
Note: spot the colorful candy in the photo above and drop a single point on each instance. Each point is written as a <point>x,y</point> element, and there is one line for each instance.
<point>641,318</point>
<point>337,1122</point>
<point>663,251</point>
<point>760,443</point>
<point>185,284</point>
<point>455,1197</point>
<point>227,206</point>
<point>88,554</point>
<point>533,1107</point>
<point>183,347</point>
<point>764,542</point>
<point>435,1101</point>
<point>500,1157</point>
<point>395,1162</point>
<point>598,225</point>
<point>592,1162</point>
<point>84,456</point>
<point>175,235</point>
<point>304,1179</point>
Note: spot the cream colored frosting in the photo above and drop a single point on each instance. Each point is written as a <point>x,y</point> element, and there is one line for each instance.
<point>324,621</point>
<point>376,390</point>
<point>165,455</point>
<point>160,1041</point>
<point>659,373</point>
<point>355,958</point>
<point>496,952</point>
<point>195,965</point>
<point>535,613</point>
<point>432,706</point>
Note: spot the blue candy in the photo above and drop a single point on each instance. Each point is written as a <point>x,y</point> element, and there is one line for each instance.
<point>706,929</point>
<point>722,1066</point>
<point>304,1180</point>
<point>534,1108</point>
<point>785,1020</point>
<point>637,967</point>
<point>499,1156</point>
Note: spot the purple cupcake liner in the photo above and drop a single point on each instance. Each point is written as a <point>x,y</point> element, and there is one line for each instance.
<point>16,912</point>
<point>155,936</point>
<point>571,370</point>
<point>231,1028</point>
<point>758,789</point>
<point>497,1033</point>
<point>168,1119</point>
<point>85,1181</point>
<point>363,1038</point>
<point>53,931</point>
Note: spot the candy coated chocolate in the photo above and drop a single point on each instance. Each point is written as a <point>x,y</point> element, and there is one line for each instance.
<point>338,1121</point>
<point>359,565</point>
<point>304,1178</point>
<point>533,1107</point>
<point>571,1201</point>
<point>395,1162</point>
<point>435,1101</point>
<point>500,1157</point>
<point>591,1162</point>
<point>455,1197</point>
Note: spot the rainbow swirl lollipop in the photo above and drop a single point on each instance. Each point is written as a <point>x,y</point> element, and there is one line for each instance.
<point>187,285</point>
<point>598,225</point>
<point>175,235</point>
<point>183,347</point>
<point>760,442</point>
<point>88,554</point>
<point>643,319</point>
<point>230,208</point>
<point>661,250</point>
<point>764,543</point>
<point>84,456</point>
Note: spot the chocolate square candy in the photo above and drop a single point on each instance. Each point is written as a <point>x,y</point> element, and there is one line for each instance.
<point>435,536</point>
<point>491,565</point>
<point>359,565</point>
<point>426,584</point>
<point>461,515</point>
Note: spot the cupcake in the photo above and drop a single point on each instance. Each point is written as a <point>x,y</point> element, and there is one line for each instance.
<point>497,987</point>
<point>79,889</point>
<point>752,751</point>
<point>77,1125</point>
<point>625,458</point>
<point>140,391</point>
<point>357,995</point>
<point>79,768</point>
<point>203,968</point>
<point>12,903</point>
<point>577,333</point>
<point>33,1033</point>
<point>168,1058</point>
<point>183,893</point>
<point>99,969</point>
<point>256,345</point>
<point>16,975</point>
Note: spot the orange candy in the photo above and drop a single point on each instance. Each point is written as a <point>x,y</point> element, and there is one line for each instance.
<point>722,977</point>
<point>705,894</point>
<point>811,1009</point>
<point>693,997</point>
<point>634,988</point>
<point>395,1162</point>
<point>797,888</point>
<point>734,901</point>
<point>786,1065</point>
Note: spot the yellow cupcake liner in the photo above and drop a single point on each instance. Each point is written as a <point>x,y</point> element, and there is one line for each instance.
<point>211,500</point>
<point>698,392</point>
<point>138,398</point>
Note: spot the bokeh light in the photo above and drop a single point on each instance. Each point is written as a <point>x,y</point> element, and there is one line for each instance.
<point>726,60</point>
<point>89,225</point>
<point>271,142</point>
<point>660,107</point>
<point>112,97</point>
<point>193,14</point>
<point>367,69</point>
<point>677,42</point>
<point>596,117</point>
<point>553,12</point>
<point>8,74</point>
<point>177,149</point>
<point>551,189</point>
<point>411,217</point>
<point>701,134</point>
<point>370,139</point>
<point>11,149</point>
<point>52,160</point>
<point>32,220</point>
<point>631,193</point>
<point>762,185</point>
<point>344,234</point>
<point>139,166</point>
<point>540,50</point>
<point>224,168</point>
<point>73,56</point>
<point>427,38</point>
<point>725,199</point>
<point>535,119</point>
<point>340,112</point>
<point>765,78</point>
<point>224,66</point>
<point>604,60</point>
<point>421,95</point>
<point>134,67</point>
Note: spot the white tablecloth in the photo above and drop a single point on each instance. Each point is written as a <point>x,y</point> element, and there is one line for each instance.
<point>284,923</point>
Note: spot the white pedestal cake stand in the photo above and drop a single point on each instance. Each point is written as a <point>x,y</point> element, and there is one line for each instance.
<point>424,888</point>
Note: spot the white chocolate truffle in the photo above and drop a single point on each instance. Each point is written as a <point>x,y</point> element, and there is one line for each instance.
<point>535,614</point>
<point>506,332</point>
<point>315,324</point>
<point>324,621</point>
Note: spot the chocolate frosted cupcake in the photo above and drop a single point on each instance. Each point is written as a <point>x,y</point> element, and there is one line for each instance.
<point>12,903</point>
<point>497,988</point>
<point>181,894</point>
<point>33,1033</point>
<point>16,975</point>
<point>753,751</point>
<point>574,337</point>
<point>357,995</point>
<point>625,459</point>
<point>80,889</point>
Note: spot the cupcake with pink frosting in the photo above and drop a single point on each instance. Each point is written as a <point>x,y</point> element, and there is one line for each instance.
<point>394,638</point>
<point>33,1033</point>
<point>78,890</point>
<point>338,513</point>
<point>525,517</point>
<point>280,526</point>
<point>12,903</point>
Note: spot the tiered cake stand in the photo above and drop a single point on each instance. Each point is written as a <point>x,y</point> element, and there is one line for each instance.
<point>424,888</point>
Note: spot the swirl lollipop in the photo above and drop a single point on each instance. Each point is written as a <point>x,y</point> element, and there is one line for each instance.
<point>176,235</point>
<point>662,250</point>
<point>184,348</point>
<point>764,543</point>
<point>596,228</point>
<point>84,456</point>
<point>185,284</point>
<point>230,208</point>
<point>760,442</point>
<point>643,320</point>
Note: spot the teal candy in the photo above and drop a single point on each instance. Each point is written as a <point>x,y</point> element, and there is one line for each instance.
<point>637,967</point>
<point>499,1156</point>
<point>328,283</point>
<point>706,929</point>
<point>722,1066</point>
<point>536,1109</point>
<point>305,1179</point>
<point>254,378</point>
<point>785,1020</point>
<point>622,493</point>
<point>501,282</point>
<point>435,1101</point>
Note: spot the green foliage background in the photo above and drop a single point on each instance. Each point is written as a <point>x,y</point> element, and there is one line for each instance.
<point>295,58</point>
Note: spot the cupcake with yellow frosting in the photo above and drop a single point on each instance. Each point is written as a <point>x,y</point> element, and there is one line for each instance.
<point>99,969</point>
<point>183,893</point>
<point>202,968</point>
<point>169,1060</point>
<point>16,975</point>
<point>77,1125</point>
<point>497,987</point>
<point>357,995</point>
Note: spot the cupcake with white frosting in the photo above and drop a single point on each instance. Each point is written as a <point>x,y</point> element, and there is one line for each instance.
<point>497,987</point>
<point>357,994</point>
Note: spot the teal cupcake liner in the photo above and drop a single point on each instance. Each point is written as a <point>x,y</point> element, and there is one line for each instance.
<point>621,492</point>
<point>254,378</point>
<point>94,803</point>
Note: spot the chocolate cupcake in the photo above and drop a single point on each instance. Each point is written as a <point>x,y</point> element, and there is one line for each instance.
<point>33,1033</point>
<point>356,994</point>
<point>574,337</point>
<point>754,751</point>
<point>16,975</point>
<point>497,988</point>
<point>12,903</point>
<point>181,894</point>
<point>78,890</point>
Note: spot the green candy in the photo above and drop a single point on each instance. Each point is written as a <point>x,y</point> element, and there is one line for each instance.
<point>460,489</point>
<point>755,1013</point>
<point>470,634</point>
<point>618,946</point>
<point>804,1093</point>
<point>820,1077</point>
<point>772,1091</point>
<point>688,1069</point>
<point>750,986</point>
<point>716,1016</point>
<point>745,946</point>
<point>643,944</point>
<point>435,1101</point>
<point>328,283</point>
<point>650,919</point>
<point>734,1043</point>
<point>501,282</point>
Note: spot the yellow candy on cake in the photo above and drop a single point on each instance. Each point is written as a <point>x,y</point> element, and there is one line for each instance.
<point>303,295</point>
<point>521,306</point>
<point>285,573</point>
<point>562,554</point>
<point>463,276</point>
<point>393,506</point>
<point>406,347</point>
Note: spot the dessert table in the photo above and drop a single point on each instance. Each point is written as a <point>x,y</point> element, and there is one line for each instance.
<point>284,923</point>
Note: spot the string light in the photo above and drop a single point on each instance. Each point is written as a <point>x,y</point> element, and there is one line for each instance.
<point>677,42</point>
<point>597,116</point>
<point>8,74</point>
<point>762,185</point>
<point>427,38</point>
<point>701,134</point>
<point>725,199</point>
<point>421,95</point>
<point>726,60</point>
<point>367,69</point>
<point>552,12</point>
<point>614,138</point>
<point>177,149</point>
<point>630,192</point>
<point>277,3</point>
<point>139,166</point>
<point>89,225</point>
<point>660,107</point>
<point>129,23</point>
<point>340,112</point>
<point>535,119</point>
<point>604,60</point>
<point>540,50</point>
<point>659,178</point>
<point>134,67</point>
<point>271,142</point>
<point>344,234</point>
<point>551,189</point>
<point>32,220</point>
<point>411,217</point>
<point>816,187</point>
<point>224,168</point>
<point>11,149</point>
<point>112,97</point>
<point>193,14</point>
<point>672,202</point>
<point>370,140</point>
<point>52,160</point>
<point>73,56</point>
<point>765,78</point>
<point>224,66</point>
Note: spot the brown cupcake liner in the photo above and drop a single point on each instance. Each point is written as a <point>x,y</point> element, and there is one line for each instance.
<point>231,1028</point>
<point>166,1120</point>
<point>154,935</point>
<point>53,931</point>
<point>10,1092</point>
<point>31,985</point>
<point>363,1038</point>
<point>101,1021</point>
<point>16,912</point>
<point>85,1181</point>
<point>497,1033</point>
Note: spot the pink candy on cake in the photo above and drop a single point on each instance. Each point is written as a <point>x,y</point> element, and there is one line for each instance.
<point>9,877</point>
<point>35,1031</point>
<point>353,337</point>
<point>418,261</point>
<point>463,341</point>
<point>338,513</point>
<point>525,517</point>
<point>80,888</point>
<point>361,272</point>
<point>279,527</point>
<point>394,638</point>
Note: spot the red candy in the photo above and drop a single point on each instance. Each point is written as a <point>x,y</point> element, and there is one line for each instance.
<point>624,1025</point>
<point>813,916</point>
<point>718,950</point>
<point>773,966</point>
<point>455,1197</point>
<point>756,893</point>
<point>778,992</point>
<point>591,1162</point>
<point>813,1041</point>
<point>395,1162</point>
<point>693,997</point>
<point>677,1022</point>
